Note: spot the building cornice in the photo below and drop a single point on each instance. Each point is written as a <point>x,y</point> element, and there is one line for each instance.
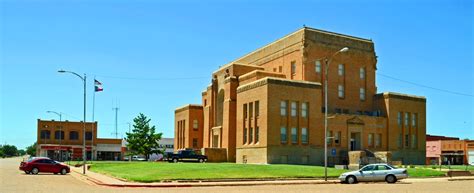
<point>401,96</point>
<point>188,106</point>
<point>277,81</point>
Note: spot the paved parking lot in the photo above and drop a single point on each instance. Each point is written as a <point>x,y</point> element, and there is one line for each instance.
<point>13,180</point>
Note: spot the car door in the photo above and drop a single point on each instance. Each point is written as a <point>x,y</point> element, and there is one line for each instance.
<point>53,166</point>
<point>193,156</point>
<point>48,165</point>
<point>380,172</point>
<point>42,165</point>
<point>366,173</point>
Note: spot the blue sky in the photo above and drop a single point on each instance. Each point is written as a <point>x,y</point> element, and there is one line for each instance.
<point>155,56</point>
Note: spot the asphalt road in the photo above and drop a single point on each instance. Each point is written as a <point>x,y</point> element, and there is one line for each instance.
<point>13,180</point>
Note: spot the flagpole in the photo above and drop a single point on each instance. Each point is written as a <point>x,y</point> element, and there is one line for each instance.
<point>93,120</point>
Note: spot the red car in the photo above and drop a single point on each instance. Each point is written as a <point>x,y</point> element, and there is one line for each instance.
<point>43,164</point>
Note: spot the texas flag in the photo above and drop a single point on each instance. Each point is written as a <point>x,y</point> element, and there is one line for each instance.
<point>98,86</point>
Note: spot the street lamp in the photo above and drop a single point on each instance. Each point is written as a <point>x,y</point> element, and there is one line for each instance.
<point>83,78</point>
<point>60,132</point>
<point>327,61</point>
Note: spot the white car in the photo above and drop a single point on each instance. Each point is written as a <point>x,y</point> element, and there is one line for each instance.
<point>374,172</point>
<point>135,158</point>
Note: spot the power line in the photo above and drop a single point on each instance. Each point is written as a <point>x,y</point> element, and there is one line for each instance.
<point>147,78</point>
<point>421,85</point>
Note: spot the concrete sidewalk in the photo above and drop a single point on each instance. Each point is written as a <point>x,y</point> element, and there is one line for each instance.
<point>104,180</point>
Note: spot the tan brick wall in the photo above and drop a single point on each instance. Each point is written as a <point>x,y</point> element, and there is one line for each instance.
<point>66,127</point>
<point>303,47</point>
<point>184,131</point>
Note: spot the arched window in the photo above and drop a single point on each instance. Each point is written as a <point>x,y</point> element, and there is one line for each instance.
<point>220,108</point>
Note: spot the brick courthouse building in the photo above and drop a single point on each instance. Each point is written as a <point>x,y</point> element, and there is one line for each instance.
<point>268,106</point>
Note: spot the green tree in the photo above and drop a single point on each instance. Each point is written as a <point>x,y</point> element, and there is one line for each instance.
<point>31,150</point>
<point>10,150</point>
<point>1,152</point>
<point>143,139</point>
<point>21,152</point>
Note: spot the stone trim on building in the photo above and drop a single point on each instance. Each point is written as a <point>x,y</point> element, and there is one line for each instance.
<point>400,96</point>
<point>256,73</point>
<point>279,81</point>
<point>188,106</point>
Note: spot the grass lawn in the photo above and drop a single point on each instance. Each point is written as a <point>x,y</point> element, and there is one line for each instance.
<point>453,167</point>
<point>424,172</point>
<point>157,171</point>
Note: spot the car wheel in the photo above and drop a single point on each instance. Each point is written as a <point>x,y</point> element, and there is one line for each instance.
<point>201,160</point>
<point>34,171</point>
<point>390,179</point>
<point>27,172</point>
<point>175,160</point>
<point>351,179</point>
<point>63,171</point>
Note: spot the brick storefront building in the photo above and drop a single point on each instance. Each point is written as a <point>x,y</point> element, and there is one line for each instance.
<point>268,106</point>
<point>63,140</point>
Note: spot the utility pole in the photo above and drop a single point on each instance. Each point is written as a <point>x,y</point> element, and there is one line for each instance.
<point>116,121</point>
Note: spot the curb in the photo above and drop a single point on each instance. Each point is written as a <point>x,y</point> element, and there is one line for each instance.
<point>200,184</point>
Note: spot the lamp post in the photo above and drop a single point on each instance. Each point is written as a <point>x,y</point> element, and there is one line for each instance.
<point>60,131</point>
<point>327,61</point>
<point>83,78</point>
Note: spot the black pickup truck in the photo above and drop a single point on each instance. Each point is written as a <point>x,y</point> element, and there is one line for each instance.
<point>186,155</point>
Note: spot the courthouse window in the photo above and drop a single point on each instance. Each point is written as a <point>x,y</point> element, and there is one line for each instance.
<point>283,108</point>
<point>293,109</point>
<point>362,94</point>
<point>413,141</point>
<point>195,124</point>
<point>250,135</point>
<point>337,137</point>
<point>304,110</point>
<point>371,139</point>
<point>294,135</point>
<point>245,136</point>
<point>378,137</point>
<point>317,67</point>
<point>257,134</point>
<point>340,69</point>
<point>399,118</point>
<point>362,73</point>
<point>283,135</point>
<point>251,110</point>
<point>414,119</point>
<point>406,119</point>
<point>304,135</point>
<point>340,91</point>
<point>293,67</point>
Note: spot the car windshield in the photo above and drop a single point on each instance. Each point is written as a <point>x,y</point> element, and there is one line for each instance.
<point>31,159</point>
